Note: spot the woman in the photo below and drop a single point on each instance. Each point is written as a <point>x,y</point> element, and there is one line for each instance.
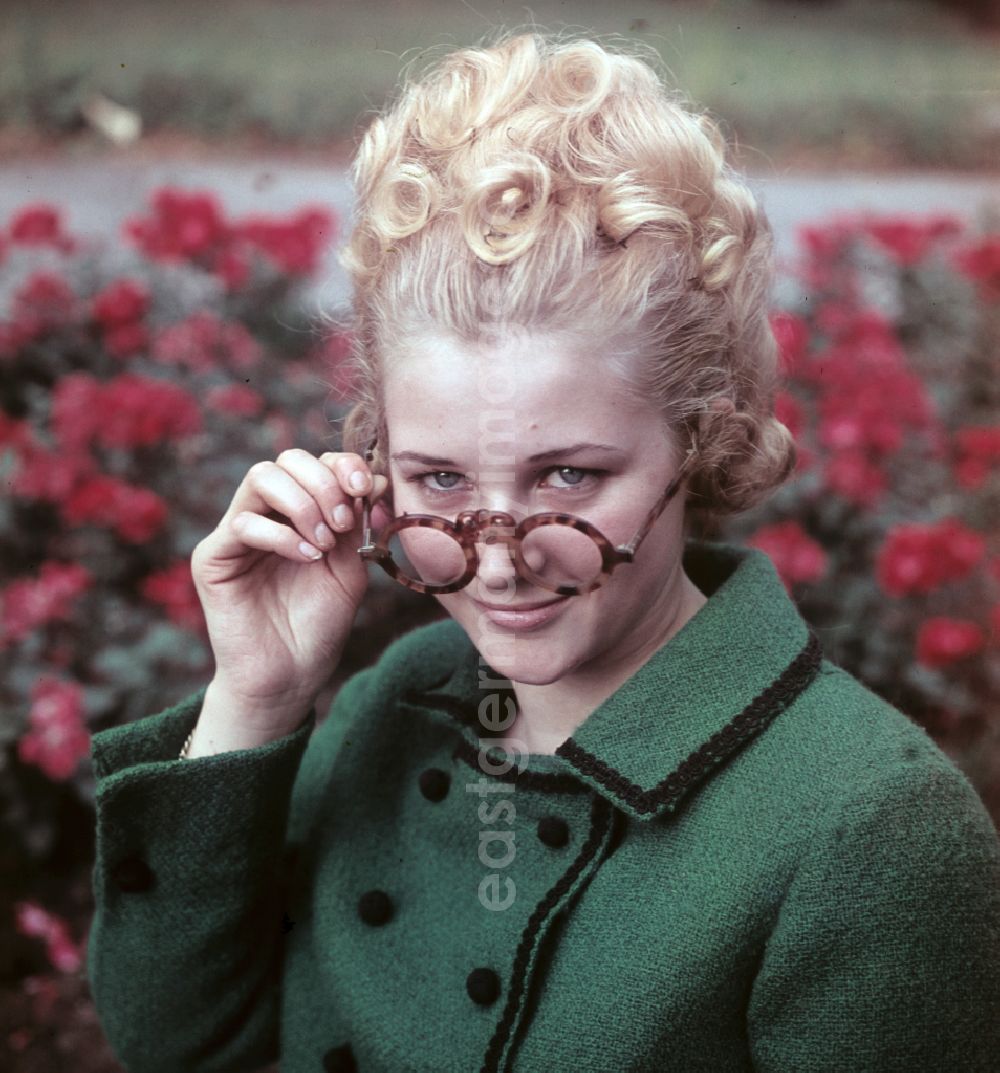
<point>616,812</point>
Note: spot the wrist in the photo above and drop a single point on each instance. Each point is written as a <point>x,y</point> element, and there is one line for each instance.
<point>228,722</point>
<point>258,711</point>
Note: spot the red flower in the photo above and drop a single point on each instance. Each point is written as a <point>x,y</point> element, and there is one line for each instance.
<point>204,341</point>
<point>826,242</point>
<point>796,556</point>
<point>981,263</point>
<point>119,311</point>
<point>921,558</point>
<point>138,411</point>
<point>141,516</point>
<point>13,433</point>
<point>835,318</point>
<point>95,500</point>
<point>75,411</point>
<point>293,245</point>
<point>854,476</point>
<point>57,738</point>
<point>40,225</point>
<point>235,399</point>
<point>944,640</point>
<point>126,340</point>
<point>183,226</point>
<point>233,267</point>
<point>45,302</point>
<point>174,590</point>
<point>792,336</point>
<point>32,602</point>
<point>31,919</point>
<point>121,302</point>
<point>135,514</point>
<point>869,398</point>
<point>909,240</point>
<point>978,449</point>
<point>49,475</point>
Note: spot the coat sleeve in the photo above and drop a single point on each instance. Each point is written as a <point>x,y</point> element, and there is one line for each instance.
<point>886,951</point>
<point>185,949</point>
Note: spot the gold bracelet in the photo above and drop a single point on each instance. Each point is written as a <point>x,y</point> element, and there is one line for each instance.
<point>187,745</point>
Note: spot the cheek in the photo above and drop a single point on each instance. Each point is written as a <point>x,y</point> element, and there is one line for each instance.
<point>660,551</point>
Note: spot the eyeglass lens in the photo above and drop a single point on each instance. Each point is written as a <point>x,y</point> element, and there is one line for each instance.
<point>556,554</point>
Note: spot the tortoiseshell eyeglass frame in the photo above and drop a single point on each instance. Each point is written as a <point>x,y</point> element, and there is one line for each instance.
<point>500,527</point>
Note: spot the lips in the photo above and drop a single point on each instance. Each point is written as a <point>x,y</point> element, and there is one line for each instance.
<point>519,607</point>
<point>524,617</point>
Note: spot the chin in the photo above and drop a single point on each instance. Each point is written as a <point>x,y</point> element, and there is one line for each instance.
<point>524,659</point>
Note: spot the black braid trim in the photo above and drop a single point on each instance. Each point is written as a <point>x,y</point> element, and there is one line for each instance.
<point>754,718</point>
<point>548,781</point>
<point>601,816</point>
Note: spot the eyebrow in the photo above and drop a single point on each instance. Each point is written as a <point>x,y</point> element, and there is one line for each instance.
<point>542,456</point>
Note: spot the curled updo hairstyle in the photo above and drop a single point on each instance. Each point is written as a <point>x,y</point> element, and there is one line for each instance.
<point>559,186</point>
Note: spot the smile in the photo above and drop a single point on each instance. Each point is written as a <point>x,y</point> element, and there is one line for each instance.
<point>523,617</point>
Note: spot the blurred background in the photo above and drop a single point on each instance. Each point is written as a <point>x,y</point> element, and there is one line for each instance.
<point>173,190</point>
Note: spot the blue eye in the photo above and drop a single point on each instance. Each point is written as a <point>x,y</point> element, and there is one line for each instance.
<point>446,482</point>
<point>446,474</point>
<point>574,469</point>
<point>418,478</point>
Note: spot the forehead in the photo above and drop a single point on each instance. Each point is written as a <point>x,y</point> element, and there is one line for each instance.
<point>441,389</point>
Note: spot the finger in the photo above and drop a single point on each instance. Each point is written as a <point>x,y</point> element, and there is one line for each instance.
<point>352,471</point>
<point>265,534</point>
<point>268,487</point>
<point>327,484</point>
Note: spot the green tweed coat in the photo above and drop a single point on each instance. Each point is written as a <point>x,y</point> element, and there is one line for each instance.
<point>742,860</point>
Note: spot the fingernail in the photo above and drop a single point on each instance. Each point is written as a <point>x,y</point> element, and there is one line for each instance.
<point>342,516</point>
<point>358,481</point>
<point>309,551</point>
<point>323,534</point>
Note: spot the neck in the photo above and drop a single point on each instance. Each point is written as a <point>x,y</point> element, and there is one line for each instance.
<point>548,715</point>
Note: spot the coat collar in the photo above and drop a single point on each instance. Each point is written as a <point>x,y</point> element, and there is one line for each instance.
<point>720,680</point>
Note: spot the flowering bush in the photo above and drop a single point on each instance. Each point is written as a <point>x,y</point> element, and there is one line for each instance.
<point>137,386</point>
<point>887,532</point>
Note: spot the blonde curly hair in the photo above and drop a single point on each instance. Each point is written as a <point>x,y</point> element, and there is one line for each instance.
<point>557,185</point>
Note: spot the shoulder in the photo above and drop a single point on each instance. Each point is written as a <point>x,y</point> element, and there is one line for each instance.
<point>423,657</point>
<point>886,938</point>
<point>420,659</point>
<point>862,761</point>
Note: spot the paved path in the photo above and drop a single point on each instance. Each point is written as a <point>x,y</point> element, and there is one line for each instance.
<point>98,194</point>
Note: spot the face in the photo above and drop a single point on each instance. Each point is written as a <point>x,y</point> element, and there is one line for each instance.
<point>464,423</point>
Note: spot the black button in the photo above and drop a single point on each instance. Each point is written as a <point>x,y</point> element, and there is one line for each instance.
<point>340,1060</point>
<point>483,986</point>
<point>375,907</point>
<point>553,831</point>
<point>132,875</point>
<point>434,783</point>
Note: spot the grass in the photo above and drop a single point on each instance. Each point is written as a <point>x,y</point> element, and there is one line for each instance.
<point>849,82</point>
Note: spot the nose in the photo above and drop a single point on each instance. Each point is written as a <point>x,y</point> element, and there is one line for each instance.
<point>497,570</point>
